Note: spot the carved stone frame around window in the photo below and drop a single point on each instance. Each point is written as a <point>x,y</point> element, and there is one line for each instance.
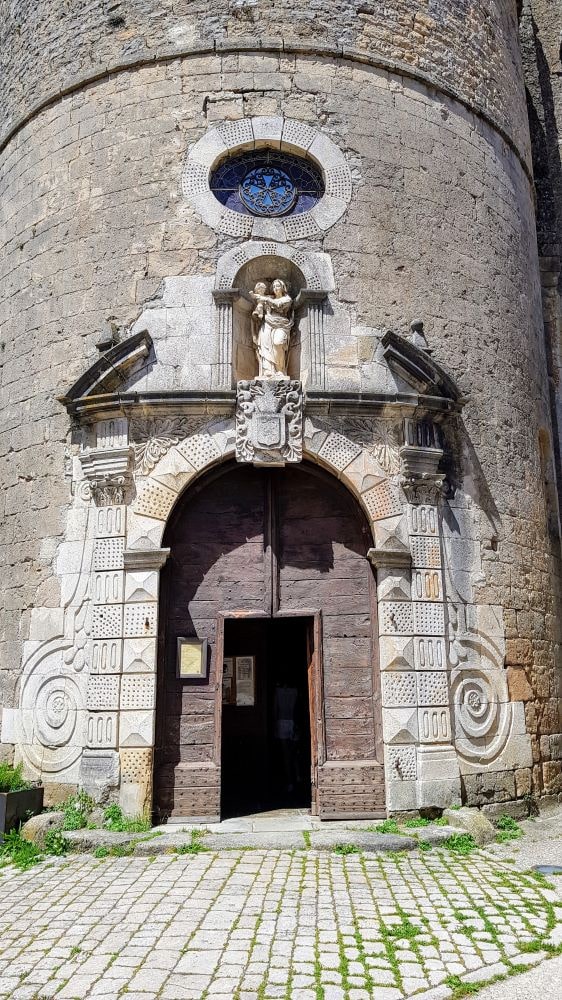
<point>288,136</point>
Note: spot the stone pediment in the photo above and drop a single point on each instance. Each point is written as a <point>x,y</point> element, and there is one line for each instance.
<point>416,367</point>
<point>109,373</point>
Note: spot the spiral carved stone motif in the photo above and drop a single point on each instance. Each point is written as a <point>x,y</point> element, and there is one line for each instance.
<point>482,713</point>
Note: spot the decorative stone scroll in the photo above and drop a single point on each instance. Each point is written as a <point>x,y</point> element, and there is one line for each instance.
<point>269,421</point>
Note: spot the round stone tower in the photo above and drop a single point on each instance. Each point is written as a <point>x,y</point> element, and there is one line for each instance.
<point>158,163</point>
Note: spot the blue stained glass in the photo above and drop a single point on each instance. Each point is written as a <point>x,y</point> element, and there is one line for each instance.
<point>268,183</point>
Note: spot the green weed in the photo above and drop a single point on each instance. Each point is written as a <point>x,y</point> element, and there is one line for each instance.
<point>405,929</point>
<point>12,779</point>
<point>346,849</point>
<point>417,821</point>
<point>114,820</point>
<point>19,852</point>
<point>461,843</point>
<point>441,821</point>
<point>424,845</point>
<point>56,843</point>
<point>387,826</point>
<point>508,829</point>
<point>76,811</point>
<point>194,847</point>
<point>531,947</point>
<point>306,838</point>
<point>460,988</point>
<point>101,852</point>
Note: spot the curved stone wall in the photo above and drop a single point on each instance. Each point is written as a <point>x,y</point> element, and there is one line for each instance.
<point>440,225</point>
<point>469,47</point>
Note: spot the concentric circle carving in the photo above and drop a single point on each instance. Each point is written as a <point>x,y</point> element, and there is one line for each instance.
<point>52,704</point>
<point>55,711</point>
<point>482,713</point>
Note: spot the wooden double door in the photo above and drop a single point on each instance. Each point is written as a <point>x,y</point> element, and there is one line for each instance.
<point>270,567</point>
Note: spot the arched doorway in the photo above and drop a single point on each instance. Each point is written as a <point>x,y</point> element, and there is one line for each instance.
<point>269,567</point>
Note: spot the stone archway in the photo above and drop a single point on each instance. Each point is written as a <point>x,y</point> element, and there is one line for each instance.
<point>253,549</point>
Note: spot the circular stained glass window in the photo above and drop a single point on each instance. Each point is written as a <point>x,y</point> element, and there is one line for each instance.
<point>268,183</point>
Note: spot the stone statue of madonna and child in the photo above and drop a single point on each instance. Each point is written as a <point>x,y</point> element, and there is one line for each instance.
<point>272,322</point>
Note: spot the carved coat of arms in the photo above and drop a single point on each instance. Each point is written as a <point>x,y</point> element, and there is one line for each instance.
<point>269,421</point>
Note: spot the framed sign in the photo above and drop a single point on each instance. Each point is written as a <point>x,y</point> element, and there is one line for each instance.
<point>245,680</point>
<point>191,659</point>
<point>228,680</point>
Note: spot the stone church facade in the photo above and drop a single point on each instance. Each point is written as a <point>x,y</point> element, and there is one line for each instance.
<point>280,397</point>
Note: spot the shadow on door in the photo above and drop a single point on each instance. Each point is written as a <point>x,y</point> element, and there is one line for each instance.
<point>265,745</point>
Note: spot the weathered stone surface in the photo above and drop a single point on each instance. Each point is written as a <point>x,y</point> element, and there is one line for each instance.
<point>36,827</point>
<point>88,840</point>
<point>473,821</point>
<point>96,239</point>
<point>325,840</point>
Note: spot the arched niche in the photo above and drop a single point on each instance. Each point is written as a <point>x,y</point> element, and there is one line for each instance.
<point>264,269</point>
<point>309,278</point>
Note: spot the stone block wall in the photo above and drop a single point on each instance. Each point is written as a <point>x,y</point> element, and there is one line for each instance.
<point>441,225</point>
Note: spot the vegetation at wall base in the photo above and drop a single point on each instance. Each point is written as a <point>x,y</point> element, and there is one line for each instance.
<point>12,779</point>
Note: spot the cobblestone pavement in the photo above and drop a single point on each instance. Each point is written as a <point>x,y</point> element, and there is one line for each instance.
<point>256,924</point>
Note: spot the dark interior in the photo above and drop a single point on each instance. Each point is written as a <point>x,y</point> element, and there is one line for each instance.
<point>266,747</point>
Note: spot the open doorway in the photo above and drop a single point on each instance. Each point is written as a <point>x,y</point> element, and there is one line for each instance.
<point>265,744</point>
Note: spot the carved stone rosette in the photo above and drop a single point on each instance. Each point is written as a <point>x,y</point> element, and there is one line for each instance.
<point>269,421</point>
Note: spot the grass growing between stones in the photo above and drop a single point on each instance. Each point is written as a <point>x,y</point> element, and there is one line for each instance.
<point>77,810</point>
<point>195,845</point>
<point>14,850</point>
<point>115,822</point>
<point>508,829</point>
<point>461,843</point>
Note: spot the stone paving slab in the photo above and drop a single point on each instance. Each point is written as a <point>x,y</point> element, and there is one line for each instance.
<point>328,839</point>
<point>287,835</point>
<point>265,924</point>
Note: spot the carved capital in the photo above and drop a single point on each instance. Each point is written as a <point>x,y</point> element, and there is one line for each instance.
<point>424,489</point>
<point>400,558</point>
<point>138,559</point>
<point>109,473</point>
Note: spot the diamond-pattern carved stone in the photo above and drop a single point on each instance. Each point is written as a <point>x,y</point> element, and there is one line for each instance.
<point>396,653</point>
<point>136,729</point>
<point>139,655</point>
<point>400,725</point>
